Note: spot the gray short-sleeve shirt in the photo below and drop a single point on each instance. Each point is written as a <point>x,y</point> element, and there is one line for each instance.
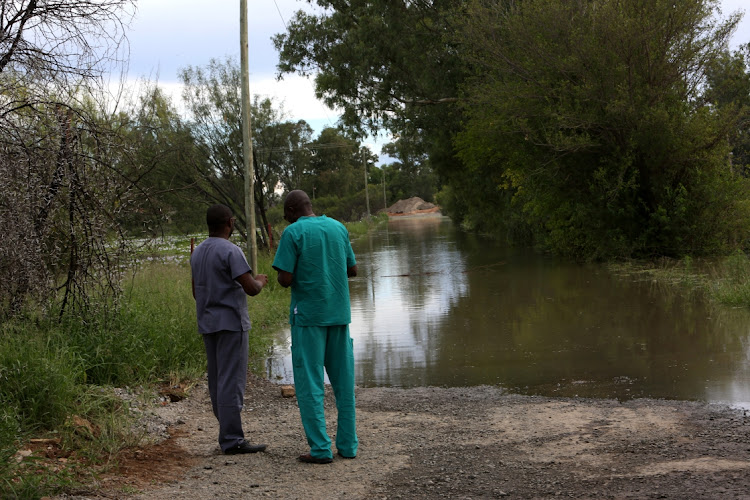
<point>220,301</point>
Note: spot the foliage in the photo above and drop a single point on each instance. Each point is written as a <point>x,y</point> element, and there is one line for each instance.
<point>163,157</point>
<point>591,120</point>
<point>346,209</point>
<point>36,379</point>
<point>335,167</point>
<point>389,64</point>
<point>411,175</point>
<point>732,287</point>
<point>381,61</point>
<point>50,372</point>
<point>362,227</point>
<point>725,280</point>
<point>579,126</point>
<point>61,191</point>
<point>212,98</point>
<point>728,89</point>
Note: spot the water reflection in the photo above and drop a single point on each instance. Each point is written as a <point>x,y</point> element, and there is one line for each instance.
<point>435,306</point>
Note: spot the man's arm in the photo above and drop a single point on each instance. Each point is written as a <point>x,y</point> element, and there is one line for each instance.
<point>252,286</point>
<point>284,278</point>
<point>351,272</point>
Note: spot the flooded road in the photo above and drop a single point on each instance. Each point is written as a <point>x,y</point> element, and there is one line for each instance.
<point>433,306</point>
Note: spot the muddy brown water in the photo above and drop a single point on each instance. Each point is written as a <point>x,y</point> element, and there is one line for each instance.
<point>434,306</point>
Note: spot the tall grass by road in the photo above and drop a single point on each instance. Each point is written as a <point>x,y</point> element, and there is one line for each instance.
<point>50,372</point>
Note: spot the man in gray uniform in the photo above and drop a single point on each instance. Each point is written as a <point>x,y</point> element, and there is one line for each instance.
<point>222,279</point>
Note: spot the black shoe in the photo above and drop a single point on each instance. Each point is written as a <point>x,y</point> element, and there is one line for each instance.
<point>348,458</point>
<point>309,459</point>
<point>244,447</point>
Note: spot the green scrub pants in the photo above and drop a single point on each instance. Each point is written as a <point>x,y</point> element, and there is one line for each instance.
<point>313,348</point>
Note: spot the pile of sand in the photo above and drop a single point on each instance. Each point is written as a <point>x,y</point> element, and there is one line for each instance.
<point>412,205</point>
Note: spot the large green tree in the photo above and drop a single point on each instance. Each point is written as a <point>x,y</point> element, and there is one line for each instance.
<point>581,126</point>
<point>729,90</point>
<point>386,64</point>
<point>336,167</point>
<point>212,97</point>
<point>589,114</point>
<point>411,175</point>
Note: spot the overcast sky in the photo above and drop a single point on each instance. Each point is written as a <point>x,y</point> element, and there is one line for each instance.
<point>168,35</point>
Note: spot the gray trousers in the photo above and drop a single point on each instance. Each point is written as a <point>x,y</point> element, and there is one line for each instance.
<point>226,353</point>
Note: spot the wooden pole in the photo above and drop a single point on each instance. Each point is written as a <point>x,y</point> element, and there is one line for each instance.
<point>385,200</point>
<point>367,190</point>
<point>247,142</point>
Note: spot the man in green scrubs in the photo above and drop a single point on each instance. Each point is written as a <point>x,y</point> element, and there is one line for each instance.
<point>316,259</point>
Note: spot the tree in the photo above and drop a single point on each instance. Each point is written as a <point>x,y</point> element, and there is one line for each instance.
<point>63,43</point>
<point>382,61</point>
<point>291,158</point>
<point>579,126</point>
<point>587,121</point>
<point>386,64</point>
<point>336,165</point>
<point>60,188</point>
<point>411,175</point>
<point>163,160</point>
<point>212,96</point>
<point>729,90</point>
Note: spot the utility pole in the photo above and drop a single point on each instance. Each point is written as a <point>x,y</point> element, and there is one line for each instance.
<point>247,142</point>
<point>367,190</point>
<point>385,200</point>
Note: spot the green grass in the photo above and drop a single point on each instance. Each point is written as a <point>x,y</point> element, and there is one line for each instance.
<point>50,372</point>
<point>360,228</point>
<point>43,393</point>
<point>731,286</point>
<point>724,280</point>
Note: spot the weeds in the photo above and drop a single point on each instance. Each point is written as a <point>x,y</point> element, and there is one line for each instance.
<point>725,281</point>
<point>732,286</point>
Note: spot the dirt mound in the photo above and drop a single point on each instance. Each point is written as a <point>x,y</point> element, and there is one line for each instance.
<point>412,205</point>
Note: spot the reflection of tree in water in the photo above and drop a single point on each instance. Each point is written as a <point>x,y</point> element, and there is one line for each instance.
<point>460,310</point>
<point>412,277</point>
<point>537,324</point>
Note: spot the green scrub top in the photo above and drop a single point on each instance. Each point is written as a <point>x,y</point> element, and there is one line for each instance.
<point>317,252</point>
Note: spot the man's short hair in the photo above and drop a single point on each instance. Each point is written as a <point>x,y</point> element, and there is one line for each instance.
<point>217,216</point>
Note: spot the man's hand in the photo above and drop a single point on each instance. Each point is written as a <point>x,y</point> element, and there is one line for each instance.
<point>252,286</point>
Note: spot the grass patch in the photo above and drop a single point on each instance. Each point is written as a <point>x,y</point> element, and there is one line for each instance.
<point>732,283</point>
<point>725,280</point>
<point>685,273</point>
<point>362,227</point>
<point>57,379</point>
<point>43,393</point>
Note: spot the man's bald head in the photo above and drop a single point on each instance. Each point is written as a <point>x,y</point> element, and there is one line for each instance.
<point>297,204</point>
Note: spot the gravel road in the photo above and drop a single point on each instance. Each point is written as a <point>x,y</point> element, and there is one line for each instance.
<point>463,443</point>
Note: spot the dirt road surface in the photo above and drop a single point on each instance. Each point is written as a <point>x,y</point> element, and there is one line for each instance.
<point>463,443</point>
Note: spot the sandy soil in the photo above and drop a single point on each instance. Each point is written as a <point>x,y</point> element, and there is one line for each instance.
<point>448,443</point>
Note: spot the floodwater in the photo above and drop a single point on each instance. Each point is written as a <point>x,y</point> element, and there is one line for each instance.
<point>434,306</point>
